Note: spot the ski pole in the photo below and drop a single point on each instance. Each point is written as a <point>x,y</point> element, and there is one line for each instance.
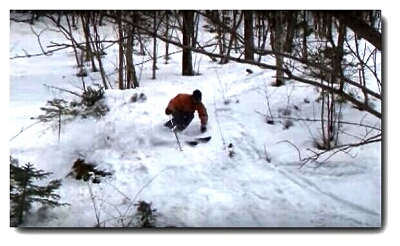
<point>176,135</point>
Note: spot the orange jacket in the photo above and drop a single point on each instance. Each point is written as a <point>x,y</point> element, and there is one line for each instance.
<point>183,102</point>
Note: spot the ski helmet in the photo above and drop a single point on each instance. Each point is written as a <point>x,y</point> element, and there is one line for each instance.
<point>197,95</point>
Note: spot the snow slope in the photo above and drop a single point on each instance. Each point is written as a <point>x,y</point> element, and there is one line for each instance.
<point>200,186</point>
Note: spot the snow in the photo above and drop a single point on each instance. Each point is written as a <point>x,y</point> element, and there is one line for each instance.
<point>200,186</point>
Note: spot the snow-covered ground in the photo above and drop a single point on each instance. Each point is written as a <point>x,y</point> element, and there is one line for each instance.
<point>200,186</point>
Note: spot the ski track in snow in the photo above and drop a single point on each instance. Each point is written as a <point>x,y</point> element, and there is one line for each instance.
<point>247,146</point>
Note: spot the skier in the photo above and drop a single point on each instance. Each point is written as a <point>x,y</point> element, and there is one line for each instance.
<point>182,108</point>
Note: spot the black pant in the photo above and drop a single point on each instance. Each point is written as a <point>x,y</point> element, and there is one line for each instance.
<point>182,119</point>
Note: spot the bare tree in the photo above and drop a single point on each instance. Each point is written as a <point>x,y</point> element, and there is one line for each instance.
<point>74,43</point>
<point>262,31</point>
<point>120,50</point>
<point>291,26</point>
<point>85,19</point>
<point>232,39</point>
<point>325,60</point>
<point>248,35</point>
<point>187,29</point>
<point>167,33</point>
<point>355,21</point>
<point>278,45</point>
<point>131,78</point>
<point>287,72</point>
<point>291,62</point>
<point>98,51</point>
<point>154,45</point>
<point>305,28</point>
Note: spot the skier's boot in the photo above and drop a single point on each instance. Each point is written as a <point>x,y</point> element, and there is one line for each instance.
<point>168,124</point>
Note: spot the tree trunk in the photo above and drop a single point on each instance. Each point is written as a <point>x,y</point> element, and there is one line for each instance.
<point>359,26</point>
<point>221,36</point>
<point>101,16</point>
<point>166,36</point>
<point>290,30</point>
<point>74,20</point>
<point>88,39</point>
<point>305,34</point>
<point>141,45</point>
<point>260,30</point>
<point>120,51</point>
<point>154,45</point>
<point>187,29</point>
<point>338,69</point>
<point>98,51</point>
<point>73,44</point>
<point>131,79</point>
<point>59,15</point>
<point>279,36</point>
<point>248,35</point>
<point>263,34</point>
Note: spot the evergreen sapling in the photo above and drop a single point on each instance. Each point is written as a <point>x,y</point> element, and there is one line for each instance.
<point>24,192</point>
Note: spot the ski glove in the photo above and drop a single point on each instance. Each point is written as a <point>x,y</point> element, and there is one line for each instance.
<point>168,111</point>
<point>203,128</point>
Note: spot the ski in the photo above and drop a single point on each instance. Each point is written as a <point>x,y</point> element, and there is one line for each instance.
<point>192,142</point>
<point>198,140</point>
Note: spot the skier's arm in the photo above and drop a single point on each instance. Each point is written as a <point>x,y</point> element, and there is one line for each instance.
<point>172,105</point>
<point>202,111</point>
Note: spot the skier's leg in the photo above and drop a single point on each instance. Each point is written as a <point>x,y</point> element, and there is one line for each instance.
<point>185,121</point>
<point>177,119</point>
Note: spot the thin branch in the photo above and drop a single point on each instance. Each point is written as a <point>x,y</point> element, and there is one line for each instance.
<point>143,187</point>
<point>24,129</point>
<point>61,89</point>
<point>319,120</point>
<point>92,197</point>
<point>39,42</point>
<point>345,148</point>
